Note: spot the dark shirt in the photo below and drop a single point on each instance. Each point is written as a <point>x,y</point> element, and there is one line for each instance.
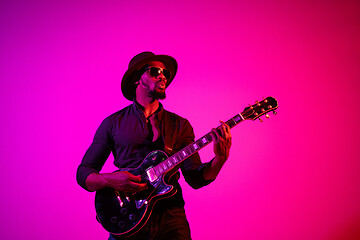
<point>129,136</point>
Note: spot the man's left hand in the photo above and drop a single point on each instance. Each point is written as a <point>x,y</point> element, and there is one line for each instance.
<point>222,141</point>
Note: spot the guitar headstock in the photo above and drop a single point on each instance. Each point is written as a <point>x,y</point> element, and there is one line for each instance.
<point>260,108</point>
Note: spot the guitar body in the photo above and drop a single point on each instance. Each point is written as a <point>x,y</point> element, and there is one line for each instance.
<point>125,214</point>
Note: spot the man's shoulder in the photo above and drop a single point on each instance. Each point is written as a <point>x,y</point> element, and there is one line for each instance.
<point>174,115</point>
<point>121,111</point>
<point>177,119</point>
<point>118,114</point>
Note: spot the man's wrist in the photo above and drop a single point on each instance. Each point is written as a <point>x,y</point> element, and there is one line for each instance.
<point>96,181</point>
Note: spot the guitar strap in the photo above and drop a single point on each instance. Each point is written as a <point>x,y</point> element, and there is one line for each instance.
<point>170,127</point>
<point>169,131</point>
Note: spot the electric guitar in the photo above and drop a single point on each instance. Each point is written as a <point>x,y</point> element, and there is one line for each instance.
<point>124,214</point>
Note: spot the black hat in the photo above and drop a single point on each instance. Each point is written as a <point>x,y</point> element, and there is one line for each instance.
<point>128,86</point>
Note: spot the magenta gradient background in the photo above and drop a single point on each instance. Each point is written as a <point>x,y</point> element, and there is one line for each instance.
<point>295,176</point>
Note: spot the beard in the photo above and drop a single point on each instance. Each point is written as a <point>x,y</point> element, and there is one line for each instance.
<point>153,92</point>
<point>157,94</point>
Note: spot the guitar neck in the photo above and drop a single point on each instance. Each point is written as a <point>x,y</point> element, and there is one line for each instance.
<point>189,150</point>
<point>251,112</point>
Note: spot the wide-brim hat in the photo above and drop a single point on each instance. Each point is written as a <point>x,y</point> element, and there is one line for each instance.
<point>128,86</point>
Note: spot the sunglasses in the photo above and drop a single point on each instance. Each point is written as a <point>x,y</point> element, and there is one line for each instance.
<point>156,71</point>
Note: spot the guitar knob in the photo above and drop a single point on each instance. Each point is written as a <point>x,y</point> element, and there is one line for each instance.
<point>123,211</point>
<point>131,217</point>
<point>274,112</point>
<point>267,115</point>
<point>113,219</point>
<point>260,120</point>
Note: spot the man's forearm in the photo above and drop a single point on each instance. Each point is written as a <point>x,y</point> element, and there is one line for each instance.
<point>212,170</point>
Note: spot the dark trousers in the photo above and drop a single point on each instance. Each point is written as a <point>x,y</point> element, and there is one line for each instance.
<point>170,224</point>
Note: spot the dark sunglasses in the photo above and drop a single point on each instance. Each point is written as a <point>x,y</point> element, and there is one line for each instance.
<point>156,71</point>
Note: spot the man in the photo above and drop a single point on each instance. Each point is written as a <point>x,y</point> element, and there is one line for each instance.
<point>144,126</point>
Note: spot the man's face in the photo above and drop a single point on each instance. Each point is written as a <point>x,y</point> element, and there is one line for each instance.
<point>153,86</point>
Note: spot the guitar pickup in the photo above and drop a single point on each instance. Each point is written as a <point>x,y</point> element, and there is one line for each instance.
<point>151,175</point>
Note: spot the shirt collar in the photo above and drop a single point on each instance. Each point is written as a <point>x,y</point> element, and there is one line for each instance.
<point>158,113</point>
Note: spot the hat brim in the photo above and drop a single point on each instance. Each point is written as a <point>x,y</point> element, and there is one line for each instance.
<point>128,86</point>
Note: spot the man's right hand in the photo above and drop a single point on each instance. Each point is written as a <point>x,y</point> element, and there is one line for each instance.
<point>124,181</point>
<point>121,181</point>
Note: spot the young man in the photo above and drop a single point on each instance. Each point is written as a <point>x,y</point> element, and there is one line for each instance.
<point>144,126</point>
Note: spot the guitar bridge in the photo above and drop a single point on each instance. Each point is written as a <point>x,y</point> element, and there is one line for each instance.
<point>151,175</point>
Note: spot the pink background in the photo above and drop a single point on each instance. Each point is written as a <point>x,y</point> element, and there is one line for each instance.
<point>294,176</point>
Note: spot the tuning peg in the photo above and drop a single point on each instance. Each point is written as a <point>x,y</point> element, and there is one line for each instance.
<point>267,115</point>
<point>260,120</point>
<point>274,112</point>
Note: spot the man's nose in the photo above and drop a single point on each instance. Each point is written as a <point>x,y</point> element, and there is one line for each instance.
<point>162,77</point>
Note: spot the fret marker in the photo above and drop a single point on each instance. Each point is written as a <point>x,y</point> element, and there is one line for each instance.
<point>184,153</point>
<point>204,140</point>
<point>195,146</point>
